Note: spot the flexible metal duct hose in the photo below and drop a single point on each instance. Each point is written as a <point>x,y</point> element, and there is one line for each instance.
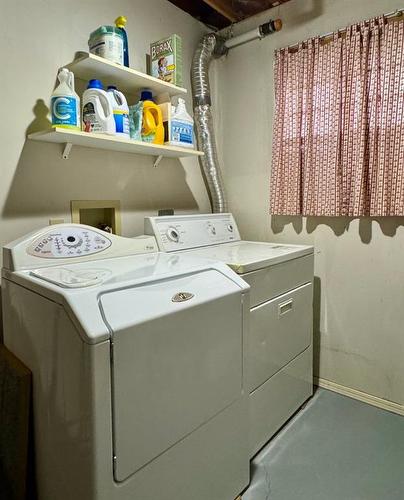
<point>209,47</point>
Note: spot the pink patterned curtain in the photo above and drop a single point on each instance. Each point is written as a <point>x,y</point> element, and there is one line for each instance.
<point>339,124</point>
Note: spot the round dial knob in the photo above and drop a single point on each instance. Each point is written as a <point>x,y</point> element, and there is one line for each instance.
<point>172,234</point>
<point>212,230</point>
<point>230,228</point>
<point>72,241</point>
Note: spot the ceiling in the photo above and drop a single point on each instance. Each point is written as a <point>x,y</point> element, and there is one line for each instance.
<point>221,13</point>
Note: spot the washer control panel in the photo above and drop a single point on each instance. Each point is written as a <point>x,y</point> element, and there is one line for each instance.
<point>185,232</point>
<point>68,242</point>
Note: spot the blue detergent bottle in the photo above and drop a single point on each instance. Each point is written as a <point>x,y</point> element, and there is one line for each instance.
<point>120,22</point>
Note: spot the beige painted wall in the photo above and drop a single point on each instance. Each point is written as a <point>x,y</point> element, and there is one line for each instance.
<point>359,296</point>
<point>39,37</point>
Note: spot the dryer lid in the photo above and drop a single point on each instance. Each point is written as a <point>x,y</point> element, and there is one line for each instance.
<point>246,256</point>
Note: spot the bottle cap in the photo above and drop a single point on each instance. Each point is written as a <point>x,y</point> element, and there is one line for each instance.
<point>120,22</point>
<point>94,84</point>
<point>146,95</point>
<point>63,74</point>
<point>112,87</point>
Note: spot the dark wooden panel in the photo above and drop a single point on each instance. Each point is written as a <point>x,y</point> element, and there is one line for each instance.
<point>15,402</point>
<point>203,12</point>
<point>248,8</point>
<point>222,13</point>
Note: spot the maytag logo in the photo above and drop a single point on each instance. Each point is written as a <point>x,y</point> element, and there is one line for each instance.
<point>182,297</point>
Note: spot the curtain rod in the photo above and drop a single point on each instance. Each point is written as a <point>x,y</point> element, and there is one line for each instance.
<point>391,15</point>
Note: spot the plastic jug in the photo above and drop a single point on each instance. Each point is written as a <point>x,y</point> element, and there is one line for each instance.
<point>182,126</point>
<point>152,125</point>
<point>121,111</point>
<point>65,103</point>
<point>107,42</point>
<point>98,115</point>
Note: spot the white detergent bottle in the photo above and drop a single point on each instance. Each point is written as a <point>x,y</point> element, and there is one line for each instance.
<point>98,115</point>
<point>65,103</point>
<point>182,126</point>
<point>121,111</point>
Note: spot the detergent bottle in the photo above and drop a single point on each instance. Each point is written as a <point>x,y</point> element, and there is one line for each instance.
<point>121,111</point>
<point>98,115</point>
<point>65,103</point>
<point>120,23</point>
<point>182,126</point>
<point>107,42</point>
<point>152,125</point>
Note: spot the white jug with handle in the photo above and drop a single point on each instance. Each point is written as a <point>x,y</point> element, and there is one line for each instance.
<point>98,115</point>
<point>121,111</point>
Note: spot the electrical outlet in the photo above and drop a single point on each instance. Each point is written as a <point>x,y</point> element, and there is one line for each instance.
<point>56,221</point>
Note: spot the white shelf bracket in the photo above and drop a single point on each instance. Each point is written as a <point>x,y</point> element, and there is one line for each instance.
<point>66,150</point>
<point>157,160</point>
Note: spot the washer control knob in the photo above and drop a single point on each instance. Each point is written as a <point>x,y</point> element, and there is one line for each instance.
<point>172,234</point>
<point>212,229</point>
<point>230,228</point>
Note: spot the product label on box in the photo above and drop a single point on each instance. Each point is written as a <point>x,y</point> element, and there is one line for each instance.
<point>64,111</point>
<point>182,132</point>
<point>166,59</point>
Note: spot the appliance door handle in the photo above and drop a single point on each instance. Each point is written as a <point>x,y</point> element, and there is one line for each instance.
<point>285,307</point>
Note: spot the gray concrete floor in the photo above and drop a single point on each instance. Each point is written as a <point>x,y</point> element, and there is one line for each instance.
<point>336,448</point>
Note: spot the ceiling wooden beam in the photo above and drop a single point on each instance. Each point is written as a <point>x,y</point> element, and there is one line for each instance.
<point>224,8</point>
<point>222,13</point>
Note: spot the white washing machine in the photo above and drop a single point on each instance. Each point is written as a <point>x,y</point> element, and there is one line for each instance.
<point>137,360</point>
<point>279,352</point>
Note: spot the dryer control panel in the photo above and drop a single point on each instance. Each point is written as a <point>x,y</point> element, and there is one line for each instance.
<point>68,242</point>
<point>185,232</point>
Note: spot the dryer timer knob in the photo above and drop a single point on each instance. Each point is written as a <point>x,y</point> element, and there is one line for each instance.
<point>172,234</point>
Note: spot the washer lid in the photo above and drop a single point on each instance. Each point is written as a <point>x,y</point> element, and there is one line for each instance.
<point>64,284</point>
<point>245,256</point>
<point>176,363</point>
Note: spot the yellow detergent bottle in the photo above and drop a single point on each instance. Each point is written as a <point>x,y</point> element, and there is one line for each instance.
<point>152,125</point>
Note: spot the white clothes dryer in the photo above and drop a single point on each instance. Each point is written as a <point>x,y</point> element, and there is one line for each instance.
<point>279,353</point>
<point>137,361</point>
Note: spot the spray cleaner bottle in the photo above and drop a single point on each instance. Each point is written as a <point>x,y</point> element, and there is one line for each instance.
<point>65,103</point>
<point>120,22</point>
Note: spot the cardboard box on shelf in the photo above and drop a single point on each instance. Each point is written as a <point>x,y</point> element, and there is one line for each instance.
<point>166,59</point>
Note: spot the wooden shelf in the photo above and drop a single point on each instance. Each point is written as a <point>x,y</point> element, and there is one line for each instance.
<point>88,66</point>
<point>111,143</point>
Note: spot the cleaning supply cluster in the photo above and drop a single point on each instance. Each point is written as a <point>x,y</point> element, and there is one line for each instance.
<point>111,42</point>
<point>153,119</point>
<point>107,112</point>
<point>157,120</point>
